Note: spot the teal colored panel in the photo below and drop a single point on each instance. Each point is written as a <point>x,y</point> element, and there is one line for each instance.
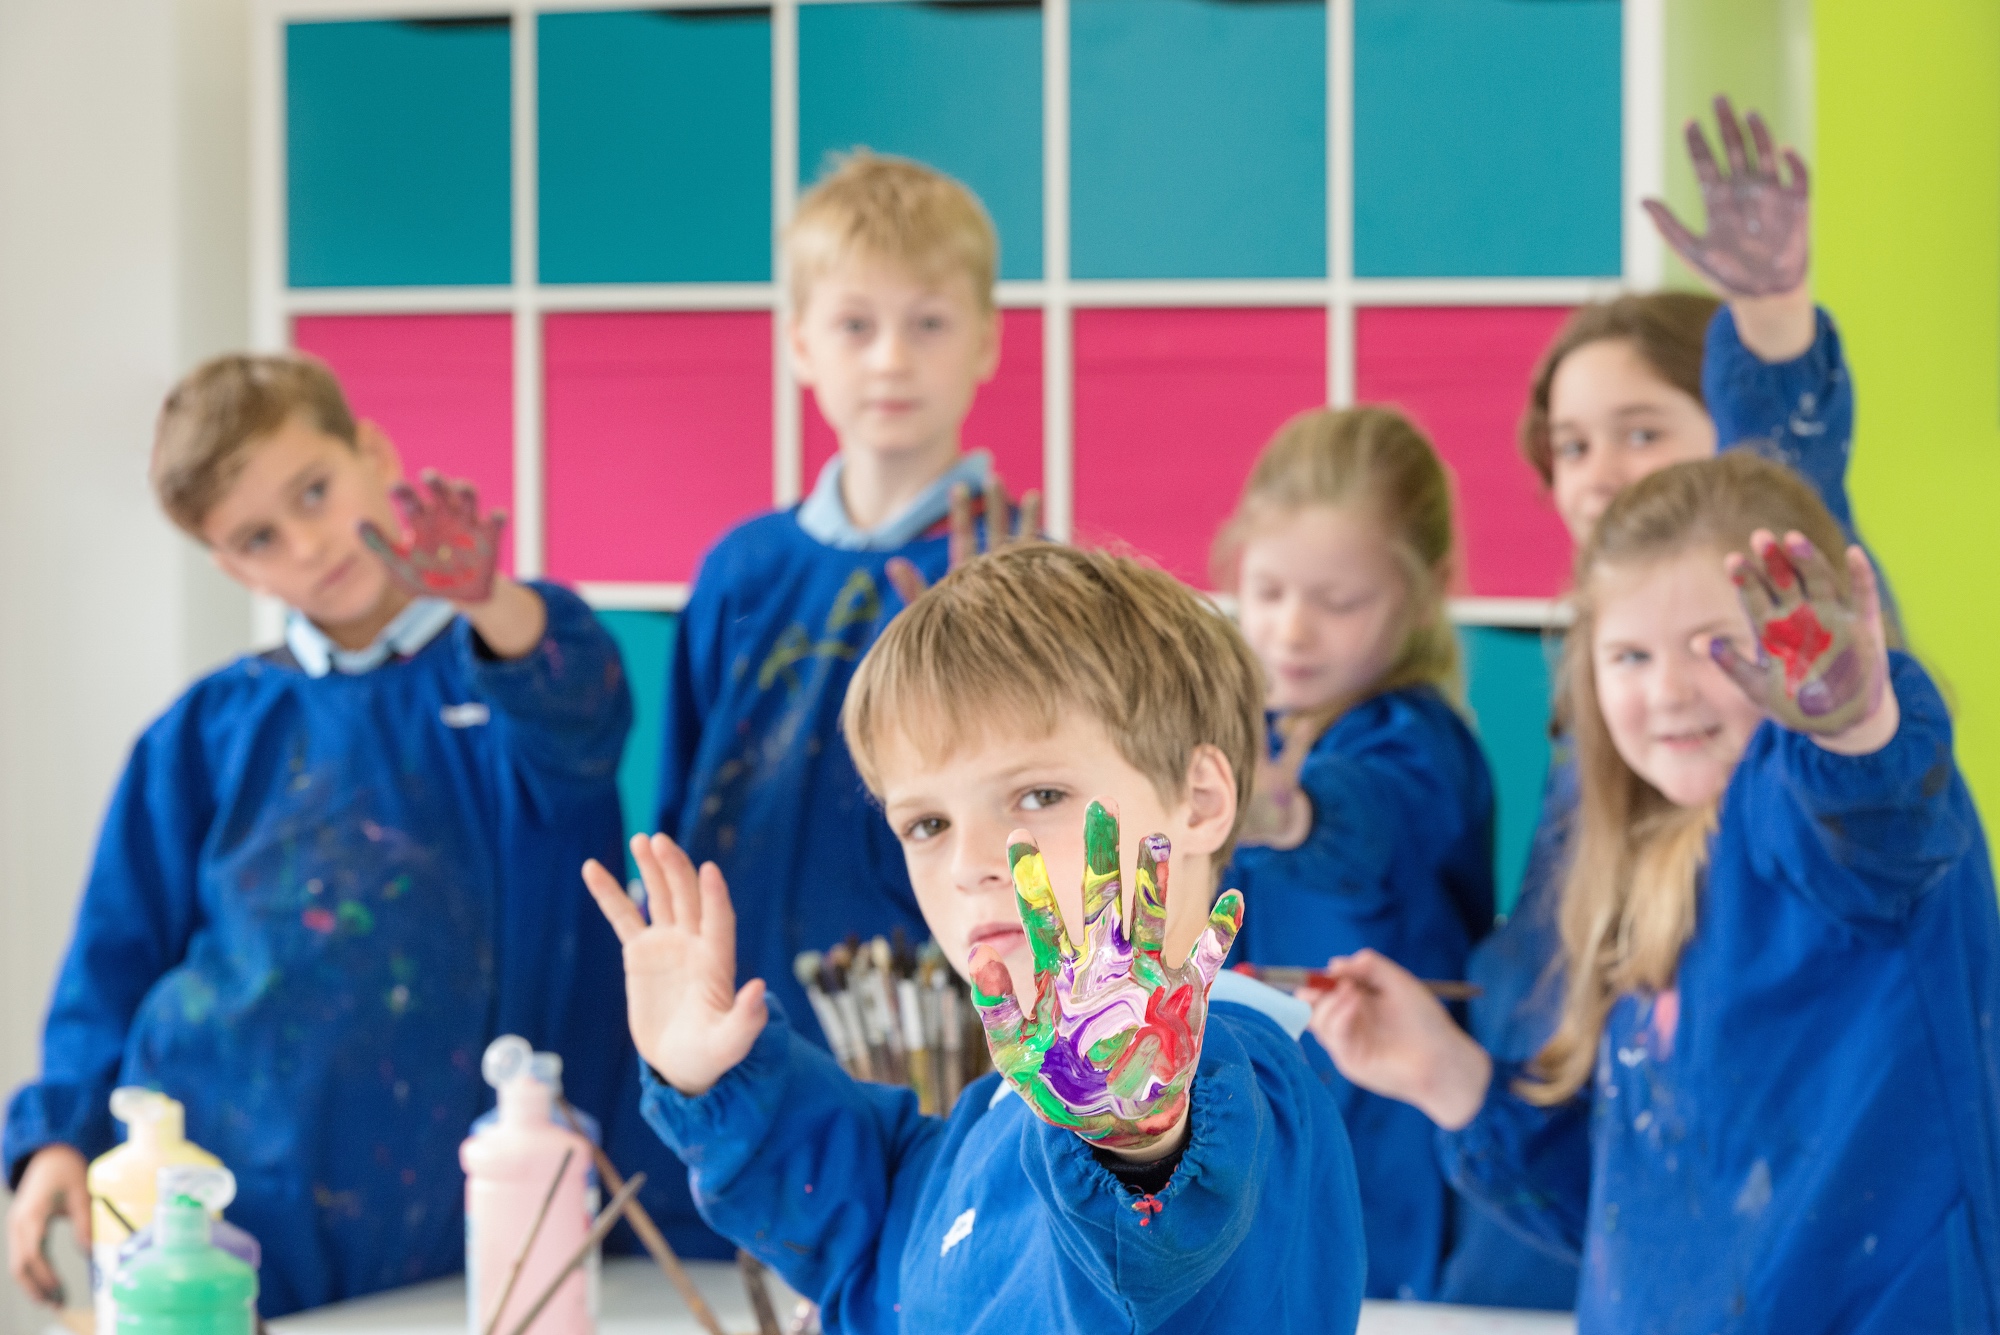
<point>1198,138</point>
<point>1486,138</point>
<point>655,138</point>
<point>644,641</point>
<point>1508,685</point>
<point>398,156</point>
<point>958,86</point>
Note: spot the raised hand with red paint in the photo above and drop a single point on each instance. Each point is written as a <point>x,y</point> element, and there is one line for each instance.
<point>1822,663</point>
<point>1110,1049</point>
<point>1758,217</point>
<point>453,551</point>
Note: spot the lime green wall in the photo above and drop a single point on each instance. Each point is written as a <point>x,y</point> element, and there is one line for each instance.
<point>1907,256</point>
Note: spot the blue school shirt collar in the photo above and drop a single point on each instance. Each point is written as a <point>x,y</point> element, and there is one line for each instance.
<point>823,515</point>
<point>414,627</point>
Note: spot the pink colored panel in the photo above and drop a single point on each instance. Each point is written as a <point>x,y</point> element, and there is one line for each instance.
<point>441,385</point>
<point>1172,407</point>
<point>1006,417</point>
<point>1463,374</point>
<point>658,439</point>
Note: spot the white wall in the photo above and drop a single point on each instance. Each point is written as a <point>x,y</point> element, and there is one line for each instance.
<point>123,231</point>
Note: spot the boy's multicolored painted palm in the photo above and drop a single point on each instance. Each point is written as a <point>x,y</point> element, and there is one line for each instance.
<point>1821,666</point>
<point>1116,1032</point>
<point>1757,222</point>
<point>452,552</point>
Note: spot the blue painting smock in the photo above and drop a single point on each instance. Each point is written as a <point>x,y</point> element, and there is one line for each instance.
<point>1801,413</point>
<point>315,900</point>
<point>755,775</point>
<point>1804,1134</point>
<point>995,1222</point>
<point>1399,859</point>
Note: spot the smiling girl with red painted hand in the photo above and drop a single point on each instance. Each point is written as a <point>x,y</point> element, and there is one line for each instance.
<point>1780,946</point>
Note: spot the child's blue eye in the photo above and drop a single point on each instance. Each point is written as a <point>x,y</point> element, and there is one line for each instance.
<point>1041,799</point>
<point>853,327</point>
<point>313,494</point>
<point>1642,437</point>
<point>257,542</point>
<point>930,324</point>
<point>924,828</point>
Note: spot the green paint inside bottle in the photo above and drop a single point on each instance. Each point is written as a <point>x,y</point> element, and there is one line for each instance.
<point>183,1284</point>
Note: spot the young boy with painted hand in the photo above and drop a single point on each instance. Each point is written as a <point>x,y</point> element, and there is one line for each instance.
<point>1154,1152</point>
<point>323,885</point>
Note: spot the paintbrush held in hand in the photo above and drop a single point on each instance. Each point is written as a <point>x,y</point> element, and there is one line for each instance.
<point>1289,979</point>
<point>895,1015</point>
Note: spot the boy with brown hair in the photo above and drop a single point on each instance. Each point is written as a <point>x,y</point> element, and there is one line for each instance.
<point>324,883</point>
<point>891,272</point>
<point>1171,1159</point>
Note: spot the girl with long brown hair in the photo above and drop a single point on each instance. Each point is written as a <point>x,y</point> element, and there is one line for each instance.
<point>1780,946</point>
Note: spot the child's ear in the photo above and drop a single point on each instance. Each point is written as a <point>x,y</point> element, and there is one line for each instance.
<point>989,354</point>
<point>372,443</point>
<point>795,344</point>
<point>1211,802</point>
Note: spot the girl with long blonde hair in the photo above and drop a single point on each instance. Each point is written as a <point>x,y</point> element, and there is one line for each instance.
<point>1780,946</point>
<point>1372,820</point>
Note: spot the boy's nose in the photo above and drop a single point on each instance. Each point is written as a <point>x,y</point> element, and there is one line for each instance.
<point>979,861</point>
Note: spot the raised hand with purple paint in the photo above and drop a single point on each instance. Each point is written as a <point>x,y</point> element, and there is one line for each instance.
<point>1756,245</point>
<point>1822,662</point>
<point>453,551</point>
<point>1111,1048</point>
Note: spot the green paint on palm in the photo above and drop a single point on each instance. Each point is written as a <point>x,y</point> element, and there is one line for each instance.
<point>1107,1050</point>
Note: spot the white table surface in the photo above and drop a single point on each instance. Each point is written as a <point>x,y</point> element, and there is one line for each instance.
<point>637,1300</point>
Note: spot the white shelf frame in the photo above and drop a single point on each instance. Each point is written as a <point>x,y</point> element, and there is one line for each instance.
<point>1056,295</point>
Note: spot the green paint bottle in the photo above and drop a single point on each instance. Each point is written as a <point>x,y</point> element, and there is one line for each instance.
<point>183,1284</point>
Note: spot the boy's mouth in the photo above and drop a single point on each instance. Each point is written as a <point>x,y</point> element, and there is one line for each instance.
<point>333,577</point>
<point>1004,937</point>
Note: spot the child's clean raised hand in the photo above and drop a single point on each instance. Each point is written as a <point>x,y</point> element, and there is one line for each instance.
<point>1389,1035</point>
<point>1822,663</point>
<point>1111,1048</point>
<point>1005,527</point>
<point>689,1019</point>
<point>1758,231</point>
<point>453,551</point>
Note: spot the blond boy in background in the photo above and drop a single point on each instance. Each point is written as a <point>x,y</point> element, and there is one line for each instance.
<point>892,268</point>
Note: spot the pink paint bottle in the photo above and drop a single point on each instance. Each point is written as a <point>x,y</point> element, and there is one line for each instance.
<point>510,1162</point>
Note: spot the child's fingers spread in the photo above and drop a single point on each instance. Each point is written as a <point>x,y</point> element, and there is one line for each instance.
<point>1029,526</point>
<point>999,513</point>
<point>1103,888</point>
<point>1048,939</point>
<point>1703,159</point>
<point>659,900</point>
<point>1799,185</point>
<point>993,996</point>
<point>1748,676</point>
<point>1731,131</point>
<point>1212,947</point>
<point>718,915</point>
<point>1675,233</point>
<point>1867,589</point>
<point>964,544</point>
<point>376,541</point>
<point>612,901</point>
<point>1814,570</point>
<point>681,883</point>
<point>1149,896</point>
<point>1767,154</point>
<point>748,1014</point>
<point>904,577</point>
<point>440,490</point>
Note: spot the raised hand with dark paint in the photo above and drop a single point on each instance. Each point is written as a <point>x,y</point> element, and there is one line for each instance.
<point>1821,664</point>
<point>1758,225</point>
<point>453,551</point>
<point>1006,526</point>
<point>1110,1049</point>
